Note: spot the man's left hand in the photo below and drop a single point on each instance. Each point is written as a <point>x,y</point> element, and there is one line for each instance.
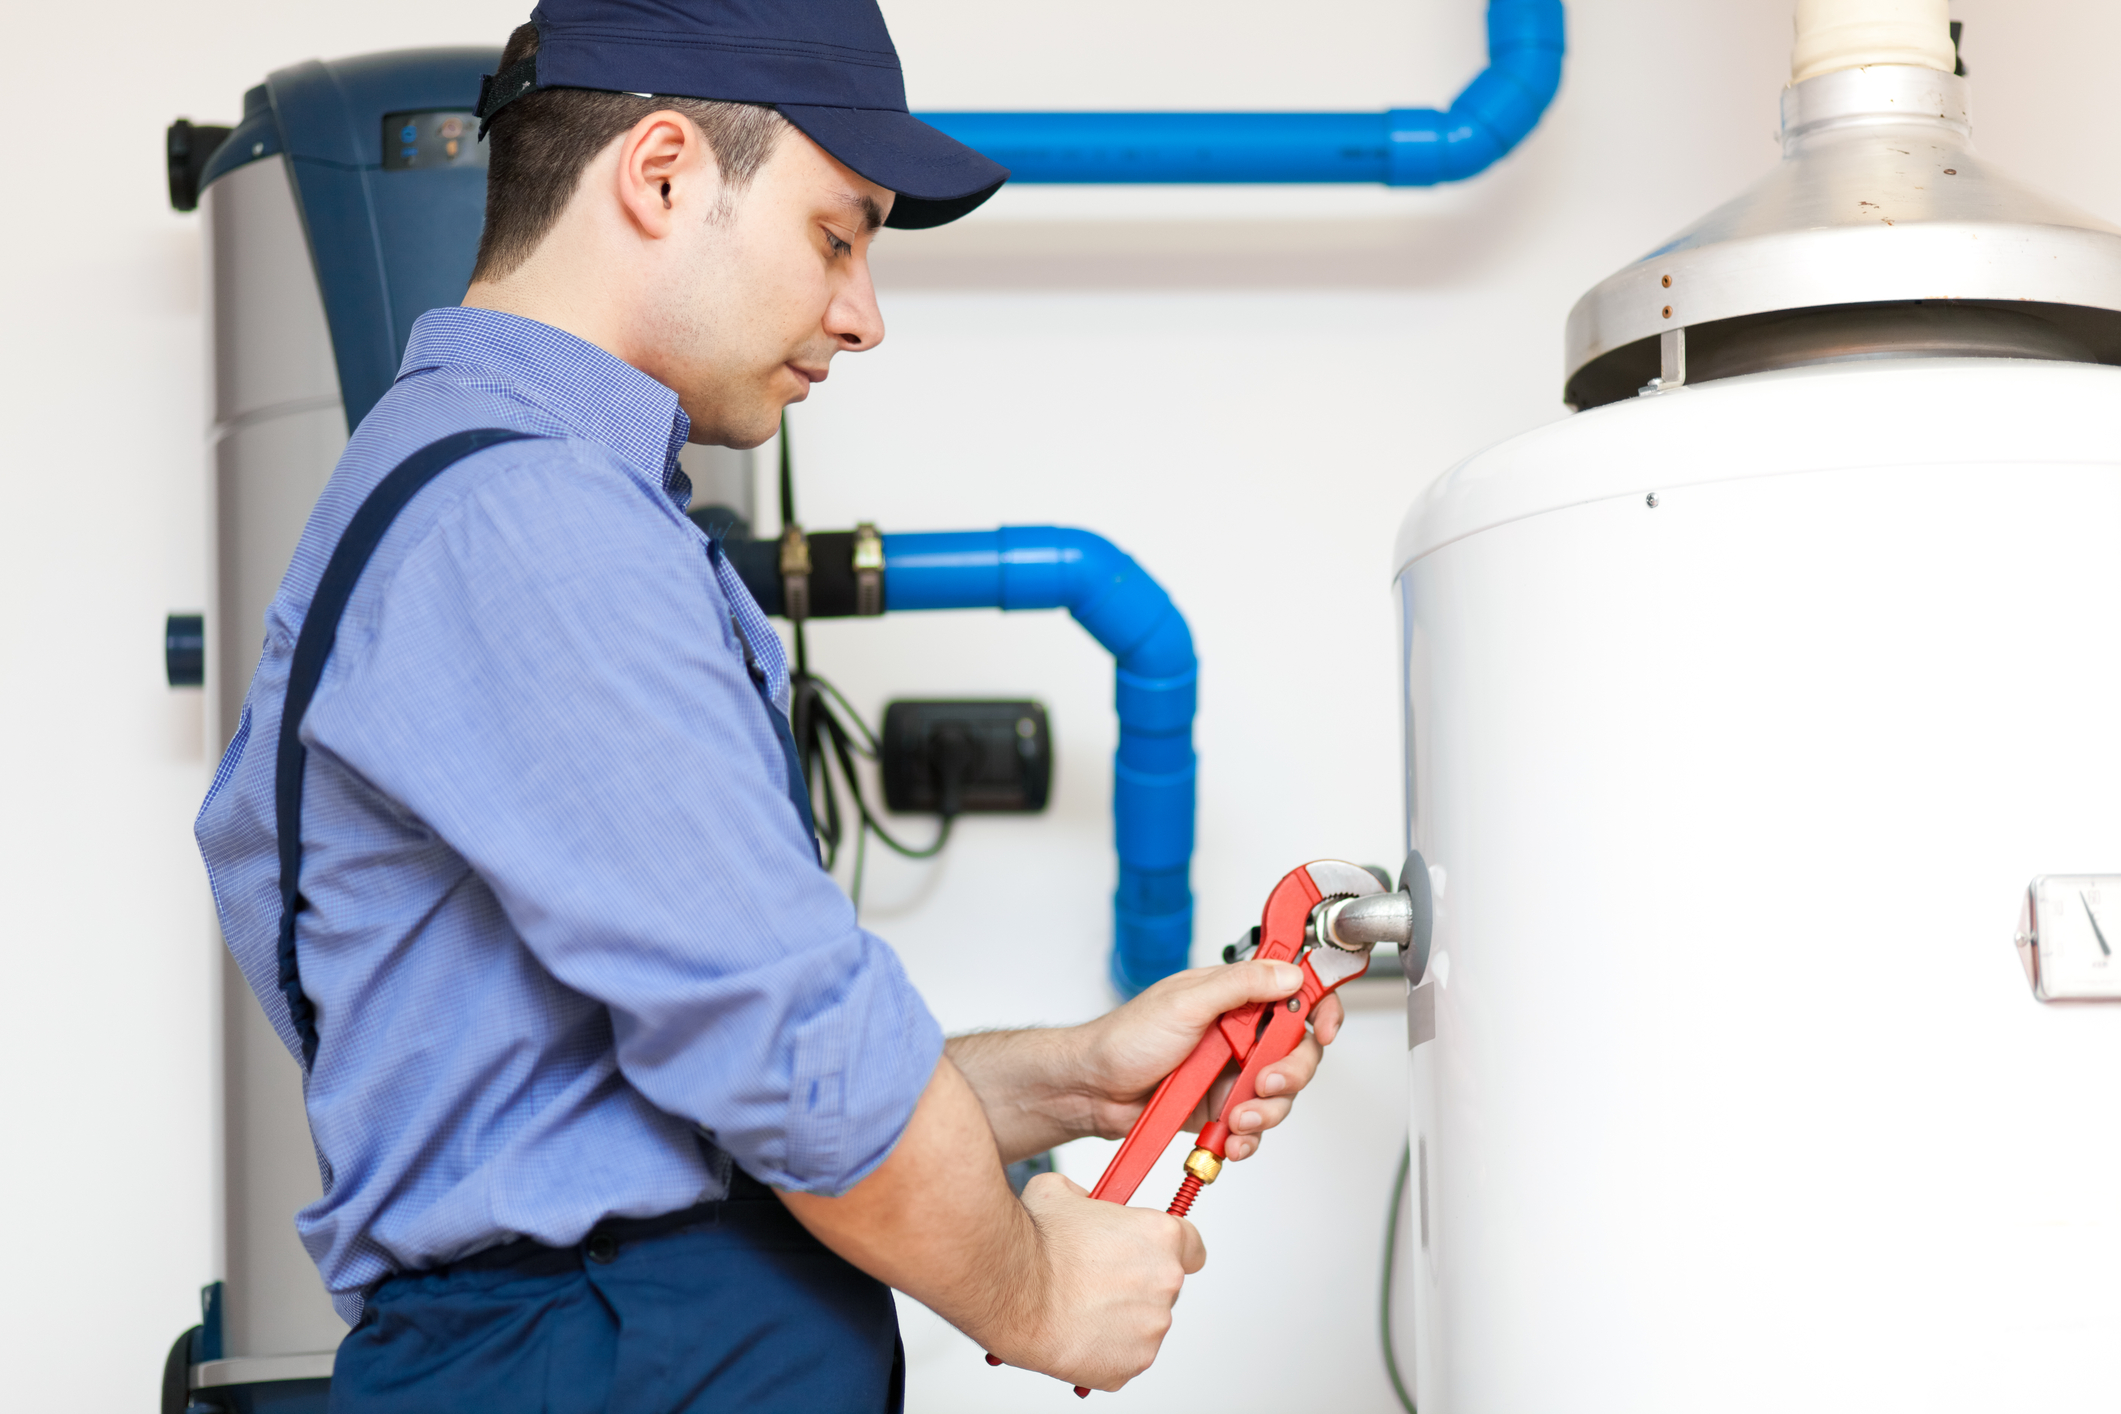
<point>1132,1049</point>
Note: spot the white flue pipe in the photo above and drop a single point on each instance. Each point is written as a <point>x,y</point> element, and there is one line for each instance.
<point>1848,34</point>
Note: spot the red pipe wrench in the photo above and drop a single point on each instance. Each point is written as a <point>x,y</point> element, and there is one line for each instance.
<point>1255,1035</point>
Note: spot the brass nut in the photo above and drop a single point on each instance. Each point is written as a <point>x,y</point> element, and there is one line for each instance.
<point>795,551</point>
<point>868,548</point>
<point>1203,1165</point>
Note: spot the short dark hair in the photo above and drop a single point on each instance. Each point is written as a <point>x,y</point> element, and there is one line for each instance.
<point>540,144</point>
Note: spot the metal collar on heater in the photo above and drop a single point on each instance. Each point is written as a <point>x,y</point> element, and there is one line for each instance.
<point>1881,204</point>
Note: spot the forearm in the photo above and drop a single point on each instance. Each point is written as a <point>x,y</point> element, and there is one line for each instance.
<point>937,1221</point>
<point>1034,1085</point>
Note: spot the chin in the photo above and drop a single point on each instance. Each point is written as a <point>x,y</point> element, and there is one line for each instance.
<point>741,423</point>
<point>750,435</point>
<point>761,425</point>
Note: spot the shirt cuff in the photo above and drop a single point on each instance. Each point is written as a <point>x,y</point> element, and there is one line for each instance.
<point>859,1067</point>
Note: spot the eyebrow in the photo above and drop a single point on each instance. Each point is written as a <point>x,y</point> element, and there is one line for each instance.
<point>864,206</point>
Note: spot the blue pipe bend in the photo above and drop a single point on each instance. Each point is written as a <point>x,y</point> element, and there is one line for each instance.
<point>1155,682</point>
<point>1405,147</point>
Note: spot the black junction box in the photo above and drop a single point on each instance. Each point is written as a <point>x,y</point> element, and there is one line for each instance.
<point>184,650</point>
<point>951,758</point>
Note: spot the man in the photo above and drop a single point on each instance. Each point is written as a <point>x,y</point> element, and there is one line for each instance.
<point>616,1105</point>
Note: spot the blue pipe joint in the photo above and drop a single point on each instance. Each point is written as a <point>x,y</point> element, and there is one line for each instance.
<point>1526,42</point>
<point>1155,689</point>
<point>1406,147</point>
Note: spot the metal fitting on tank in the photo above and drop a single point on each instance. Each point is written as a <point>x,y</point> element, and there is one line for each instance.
<point>1404,918</point>
<point>1359,924</point>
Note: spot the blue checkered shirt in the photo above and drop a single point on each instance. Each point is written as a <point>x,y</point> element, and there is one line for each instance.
<point>569,945</point>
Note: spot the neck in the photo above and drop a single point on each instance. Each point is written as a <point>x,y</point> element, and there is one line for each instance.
<point>578,284</point>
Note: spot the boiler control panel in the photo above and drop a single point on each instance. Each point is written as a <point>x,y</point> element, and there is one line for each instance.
<point>2068,933</point>
<point>417,141</point>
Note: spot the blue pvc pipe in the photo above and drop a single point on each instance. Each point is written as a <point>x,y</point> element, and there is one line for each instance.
<point>1048,567</point>
<point>1406,147</point>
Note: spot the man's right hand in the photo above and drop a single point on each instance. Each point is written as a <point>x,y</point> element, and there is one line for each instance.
<point>1112,1275</point>
<point>1060,1283</point>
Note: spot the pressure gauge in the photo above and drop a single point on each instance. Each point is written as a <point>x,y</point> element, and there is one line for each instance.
<point>2067,936</point>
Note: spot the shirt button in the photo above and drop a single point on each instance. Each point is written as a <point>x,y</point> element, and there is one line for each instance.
<point>601,1247</point>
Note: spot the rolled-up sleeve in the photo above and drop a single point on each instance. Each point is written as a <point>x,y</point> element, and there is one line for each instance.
<point>549,683</point>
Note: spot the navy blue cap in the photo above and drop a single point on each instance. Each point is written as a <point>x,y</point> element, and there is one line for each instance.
<point>827,66</point>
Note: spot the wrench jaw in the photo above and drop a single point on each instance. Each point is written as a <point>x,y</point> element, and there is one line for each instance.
<point>1337,876</point>
<point>1404,918</point>
<point>1333,965</point>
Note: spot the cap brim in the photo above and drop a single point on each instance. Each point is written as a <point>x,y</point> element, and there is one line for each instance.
<point>935,177</point>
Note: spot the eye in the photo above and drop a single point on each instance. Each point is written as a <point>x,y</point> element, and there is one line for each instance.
<point>839,247</point>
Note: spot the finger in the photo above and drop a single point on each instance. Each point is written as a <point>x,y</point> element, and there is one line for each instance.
<point>1250,1124</point>
<point>1325,1022</point>
<point>1293,1071</point>
<point>1192,1252</point>
<point>1259,1115</point>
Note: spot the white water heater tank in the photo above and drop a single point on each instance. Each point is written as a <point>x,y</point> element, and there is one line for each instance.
<point>1745,715</point>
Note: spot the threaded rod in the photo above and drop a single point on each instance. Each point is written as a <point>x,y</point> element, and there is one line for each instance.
<point>1187,1192</point>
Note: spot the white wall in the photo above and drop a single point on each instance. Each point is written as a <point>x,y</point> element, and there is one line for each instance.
<point>1243,388</point>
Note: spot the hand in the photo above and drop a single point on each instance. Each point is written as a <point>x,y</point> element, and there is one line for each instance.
<point>1112,1276</point>
<point>1132,1049</point>
<point>1058,1283</point>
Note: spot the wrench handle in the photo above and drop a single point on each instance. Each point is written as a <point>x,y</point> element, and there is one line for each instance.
<point>1284,1033</point>
<point>1166,1113</point>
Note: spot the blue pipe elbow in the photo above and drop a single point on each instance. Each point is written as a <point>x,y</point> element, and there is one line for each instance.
<point>1155,689</point>
<point>1405,147</point>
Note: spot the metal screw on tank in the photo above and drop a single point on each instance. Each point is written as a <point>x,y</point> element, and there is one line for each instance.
<point>1650,500</point>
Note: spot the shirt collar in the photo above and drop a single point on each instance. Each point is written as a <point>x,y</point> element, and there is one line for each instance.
<point>594,393</point>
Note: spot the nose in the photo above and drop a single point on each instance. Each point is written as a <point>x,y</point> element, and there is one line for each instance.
<point>853,317</point>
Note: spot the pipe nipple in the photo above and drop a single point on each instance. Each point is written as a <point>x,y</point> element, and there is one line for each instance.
<point>1361,923</point>
<point>1854,34</point>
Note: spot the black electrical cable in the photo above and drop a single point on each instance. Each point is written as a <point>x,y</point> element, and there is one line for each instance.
<point>830,733</point>
<point>1384,1305</point>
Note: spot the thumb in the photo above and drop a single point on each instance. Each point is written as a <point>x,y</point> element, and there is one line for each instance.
<point>1054,1179</point>
<point>1254,980</point>
<point>1192,1252</point>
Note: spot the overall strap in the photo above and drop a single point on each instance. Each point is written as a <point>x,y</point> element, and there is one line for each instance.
<point>798,785</point>
<point>320,630</point>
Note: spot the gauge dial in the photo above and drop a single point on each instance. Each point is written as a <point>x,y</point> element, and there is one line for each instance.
<point>2067,935</point>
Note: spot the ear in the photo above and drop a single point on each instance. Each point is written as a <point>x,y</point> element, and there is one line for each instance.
<point>666,172</point>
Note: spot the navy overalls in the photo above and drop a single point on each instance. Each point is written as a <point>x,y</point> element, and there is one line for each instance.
<point>729,1305</point>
